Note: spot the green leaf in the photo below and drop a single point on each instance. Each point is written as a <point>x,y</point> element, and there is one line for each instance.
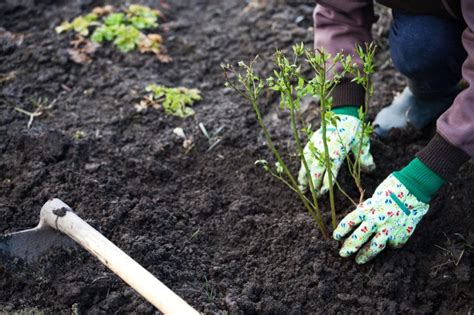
<point>142,17</point>
<point>127,38</point>
<point>143,22</point>
<point>65,26</point>
<point>80,24</point>
<point>91,17</point>
<point>104,32</point>
<point>298,49</point>
<point>115,19</point>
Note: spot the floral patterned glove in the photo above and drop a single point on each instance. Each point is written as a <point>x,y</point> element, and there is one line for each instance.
<point>391,214</point>
<point>342,139</point>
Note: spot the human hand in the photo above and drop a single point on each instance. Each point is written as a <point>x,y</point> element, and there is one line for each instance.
<point>391,214</point>
<point>342,139</point>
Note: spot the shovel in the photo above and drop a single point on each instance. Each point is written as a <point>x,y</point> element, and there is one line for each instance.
<point>55,216</point>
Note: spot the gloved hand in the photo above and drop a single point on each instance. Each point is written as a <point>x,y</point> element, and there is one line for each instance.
<point>342,139</point>
<point>391,214</point>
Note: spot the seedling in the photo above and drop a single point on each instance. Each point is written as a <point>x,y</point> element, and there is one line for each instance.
<point>213,139</point>
<point>40,105</point>
<point>292,87</point>
<point>453,251</point>
<point>175,101</point>
<point>124,29</point>
<point>31,115</point>
<point>79,135</point>
<point>195,234</point>
<point>209,290</point>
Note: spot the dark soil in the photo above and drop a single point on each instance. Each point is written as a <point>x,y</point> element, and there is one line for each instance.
<point>210,225</point>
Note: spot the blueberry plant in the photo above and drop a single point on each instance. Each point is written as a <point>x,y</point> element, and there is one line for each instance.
<point>287,80</point>
<point>124,28</point>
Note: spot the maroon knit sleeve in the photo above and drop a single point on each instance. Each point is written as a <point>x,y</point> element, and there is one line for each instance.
<point>456,125</point>
<point>453,144</point>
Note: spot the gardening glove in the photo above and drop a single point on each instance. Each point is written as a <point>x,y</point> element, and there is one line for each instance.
<point>391,214</point>
<point>342,138</point>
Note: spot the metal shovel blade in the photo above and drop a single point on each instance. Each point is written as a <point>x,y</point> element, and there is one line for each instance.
<point>30,245</point>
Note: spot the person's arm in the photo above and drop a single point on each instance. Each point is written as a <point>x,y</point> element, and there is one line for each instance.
<point>454,141</point>
<point>400,202</point>
<point>340,25</point>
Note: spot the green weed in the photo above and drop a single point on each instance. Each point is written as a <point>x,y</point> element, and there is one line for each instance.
<point>175,101</point>
<point>123,29</point>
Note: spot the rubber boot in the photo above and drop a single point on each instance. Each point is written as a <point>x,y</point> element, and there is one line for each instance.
<point>410,109</point>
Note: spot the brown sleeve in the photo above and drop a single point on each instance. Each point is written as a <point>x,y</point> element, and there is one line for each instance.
<point>338,26</point>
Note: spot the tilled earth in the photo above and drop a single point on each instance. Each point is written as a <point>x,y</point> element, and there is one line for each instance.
<point>209,224</point>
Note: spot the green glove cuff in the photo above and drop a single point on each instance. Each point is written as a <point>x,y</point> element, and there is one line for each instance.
<point>350,110</point>
<point>420,180</point>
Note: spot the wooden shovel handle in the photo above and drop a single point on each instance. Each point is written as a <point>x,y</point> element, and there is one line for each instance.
<point>59,216</point>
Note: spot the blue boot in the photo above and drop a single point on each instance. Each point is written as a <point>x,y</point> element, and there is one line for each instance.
<point>410,109</point>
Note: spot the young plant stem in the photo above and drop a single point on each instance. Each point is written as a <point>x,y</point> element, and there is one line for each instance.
<point>327,161</point>
<point>362,136</point>
<point>317,217</point>
<point>362,78</point>
<point>299,147</point>
<point>324,109</point>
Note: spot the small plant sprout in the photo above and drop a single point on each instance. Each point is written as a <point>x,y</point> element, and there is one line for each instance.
<point>175,101</point>
<point>124,29</point>
<point>213,139</point>
<point>79,135</point>
<point>209,290</point>
<point>288,81</point>
<point>40,106</point>
<point>453,251</point>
